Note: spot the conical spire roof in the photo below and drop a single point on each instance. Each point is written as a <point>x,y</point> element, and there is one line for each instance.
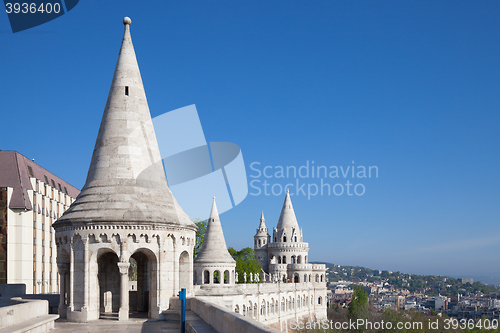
<point>287,217</point>
<point>126,182</point>
<point>214,249</point>
<point>262,229</point>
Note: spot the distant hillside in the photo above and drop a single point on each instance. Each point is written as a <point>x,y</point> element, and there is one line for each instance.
<point>429,284</point>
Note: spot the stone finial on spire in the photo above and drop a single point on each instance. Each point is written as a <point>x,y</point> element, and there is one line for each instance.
<point>127,20</point>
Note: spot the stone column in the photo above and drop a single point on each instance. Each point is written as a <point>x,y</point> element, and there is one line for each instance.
<point>63,272</point>
<point>71,275</point>
<point>123,312</point>
<point>86,278</point>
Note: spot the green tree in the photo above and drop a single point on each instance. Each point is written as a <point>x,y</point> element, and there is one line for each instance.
<point>200,235</point>
<point>245,262</point>
<point>358,309</point>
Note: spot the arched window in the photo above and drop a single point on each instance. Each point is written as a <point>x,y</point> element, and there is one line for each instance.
<point>321,278</point>
<point>295,239</point>
<point>319,300</point>
<point>299,259</point>
<point>316,278</point>
<point>237,309</point>
<point>259,242</point>
<point>264,242</point>
<point>206,277</point>
<point>284,259</point>
<point>284,239</point>
<point>279,259</point>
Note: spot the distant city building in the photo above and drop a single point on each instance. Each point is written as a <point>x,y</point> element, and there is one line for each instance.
<point>467,280</point>
<point>31,199</point>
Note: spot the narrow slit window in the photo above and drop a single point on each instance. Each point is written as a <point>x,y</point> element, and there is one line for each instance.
<point>126,90</point>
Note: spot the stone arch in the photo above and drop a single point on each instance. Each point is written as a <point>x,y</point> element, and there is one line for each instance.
<point>206,277</point>
<point>237,308</point>
<point>146,297</point>
<point>316,278</point>
<point>226,277</point>
<point>185,270</point>
<point>293,259</point>
<point>296,278</point>
<point>321,278</point>
<point>109,281</point>
<point>320,300</point>
<point>299,259</point>
<point>217,276</point>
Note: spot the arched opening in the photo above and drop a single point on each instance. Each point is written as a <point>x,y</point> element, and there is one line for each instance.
<point>206,277</point>
<point>109,284</point>
<point>244,310</point>
<point>284,238</point>
<point>284,259</point>
<point>185,267</point>
<point>319,300</point>
<point>296,278</point>
<point>321,278</point>
<point>299,259</point>
<point>143,299</point>
<point>217,277</point>
<point>226,277</point>
<point>279,259</point>
<point>316,278</point>
<point>305,278</point>
<point>259,242</point>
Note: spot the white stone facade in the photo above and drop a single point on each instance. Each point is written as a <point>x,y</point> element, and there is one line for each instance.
<point>28,254</point>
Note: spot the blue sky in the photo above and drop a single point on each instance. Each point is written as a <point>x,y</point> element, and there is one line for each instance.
<point>411,87</point>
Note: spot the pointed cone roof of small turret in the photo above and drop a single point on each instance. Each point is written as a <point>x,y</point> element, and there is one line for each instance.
<point>262,229</point>
<point>287,217</point>
<point>126,182</point>
<point>214,248</point>
<point>262,221</point>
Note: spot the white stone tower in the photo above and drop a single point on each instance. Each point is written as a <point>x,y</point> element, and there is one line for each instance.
<point>125,211</point>
<point>261,240</point>
<point>214,266</point>
<point>287,252</point>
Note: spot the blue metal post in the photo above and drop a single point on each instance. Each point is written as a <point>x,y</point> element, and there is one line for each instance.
<point>182,297</point>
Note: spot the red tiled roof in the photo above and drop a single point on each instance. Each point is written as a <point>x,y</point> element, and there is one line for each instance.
<point>15,172</point>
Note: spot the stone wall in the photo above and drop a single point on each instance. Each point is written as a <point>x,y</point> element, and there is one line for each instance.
<point>226,321</point>
<point>25,315</point>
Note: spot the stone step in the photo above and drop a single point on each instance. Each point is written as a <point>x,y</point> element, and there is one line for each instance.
<point>171,315</point>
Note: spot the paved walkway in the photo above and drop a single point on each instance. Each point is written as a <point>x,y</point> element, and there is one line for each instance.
<point>142,325</point>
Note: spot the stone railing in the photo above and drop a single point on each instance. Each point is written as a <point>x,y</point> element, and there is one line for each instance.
<point>225,321</point>
<point>26,316</point>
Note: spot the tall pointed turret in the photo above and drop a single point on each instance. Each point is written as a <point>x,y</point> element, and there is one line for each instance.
<point>262,229</point>
<point>214,248</point>
<point>287,217</point>
<point>126,181</point>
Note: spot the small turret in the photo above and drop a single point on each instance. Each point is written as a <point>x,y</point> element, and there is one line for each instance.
<point>261,240</point>
<point>214,265</point>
